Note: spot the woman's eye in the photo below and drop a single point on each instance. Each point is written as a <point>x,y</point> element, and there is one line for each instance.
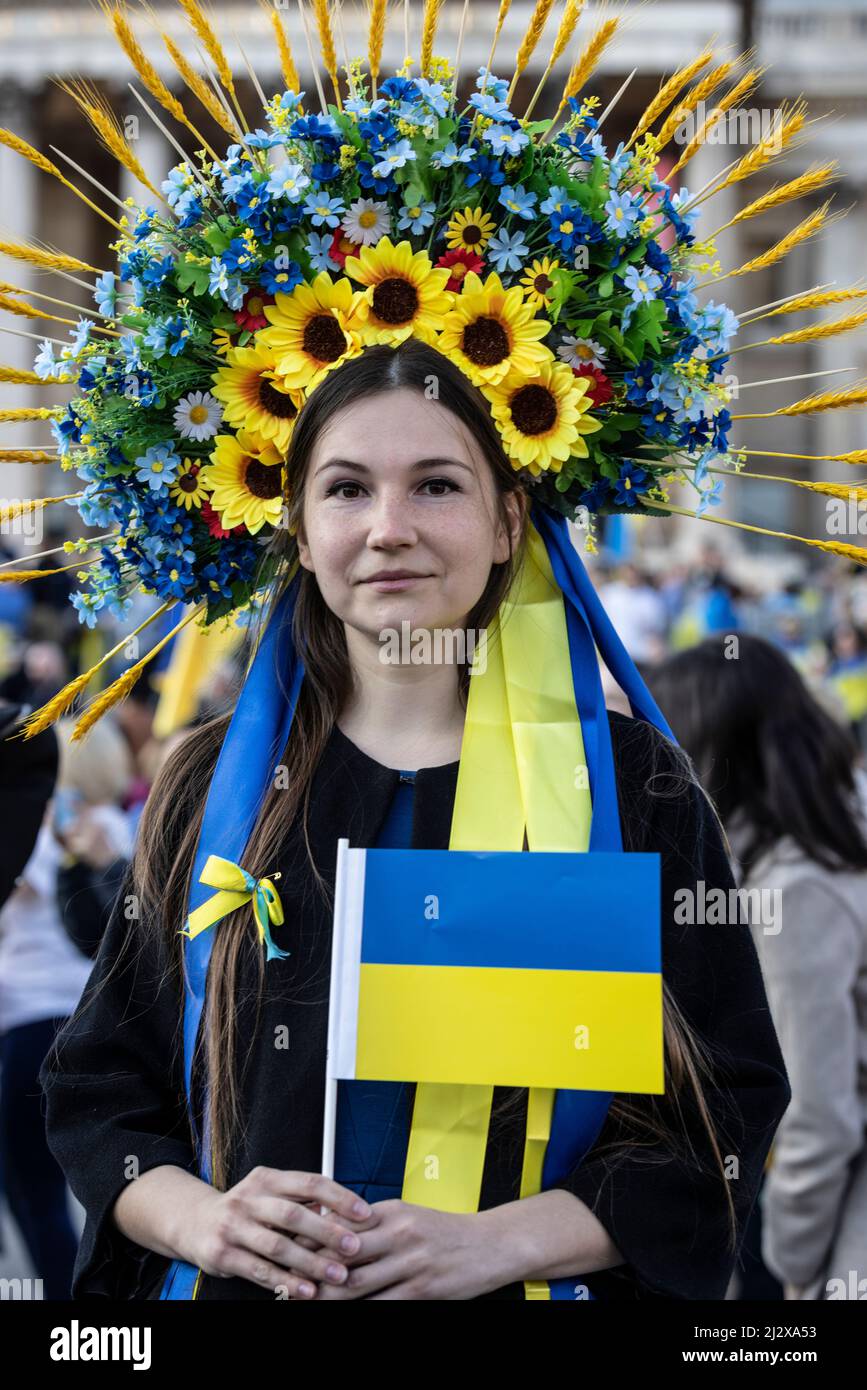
<point>338,488</point>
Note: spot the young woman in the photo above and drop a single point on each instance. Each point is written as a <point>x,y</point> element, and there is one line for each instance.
<point>395,469</point>
<point>786,780</point>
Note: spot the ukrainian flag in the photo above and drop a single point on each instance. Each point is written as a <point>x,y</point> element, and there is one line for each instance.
<point>497,968</point>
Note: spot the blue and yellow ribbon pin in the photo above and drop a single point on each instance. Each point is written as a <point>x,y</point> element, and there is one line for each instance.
<point>236,887</point>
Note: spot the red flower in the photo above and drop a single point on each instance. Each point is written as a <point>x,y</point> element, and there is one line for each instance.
<point>212,521</point>
<point>341,247</point>
<point>251,314</point>
<point>600,389</point>
<point>459,262</point>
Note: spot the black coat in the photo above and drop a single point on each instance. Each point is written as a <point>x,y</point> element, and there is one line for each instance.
<point>119,1092</point>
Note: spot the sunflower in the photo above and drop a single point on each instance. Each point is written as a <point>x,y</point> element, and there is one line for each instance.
<point>253,397</point>
<point>542,420</point>
<point>490,331</point>
<point>404,294</point>
<point>470,230</point>
<point>538,283</point>
<point>312,330</point>
<point>245,481</point>
<point>190,489</point>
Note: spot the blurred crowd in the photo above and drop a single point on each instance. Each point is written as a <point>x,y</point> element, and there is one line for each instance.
<point>776,727</point>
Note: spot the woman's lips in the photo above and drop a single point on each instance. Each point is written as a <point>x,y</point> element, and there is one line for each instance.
<point>387,586</point>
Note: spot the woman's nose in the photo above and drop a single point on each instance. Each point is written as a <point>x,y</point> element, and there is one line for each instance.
<point>390,521</point>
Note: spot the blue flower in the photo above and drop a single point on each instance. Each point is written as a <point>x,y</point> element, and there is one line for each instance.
<point>593,498</point>
<point>397,89</point>
<point>394,157</point>
<point>483,167</point>
<point>506,139</point>
<point>238,256</point>
<point>280,279</point>
<point>710,497</point>
<point>86,606</point>
<point>325,171</point>
<point>155,273</point>
<point>497,86</point>
<point>318,249</point>
<point>571,227</point>
<point>265,139</point>
<point>129,348</point>
<point>158,467</point>
<point>251,202</point>
<point>324,211</point>
<point>80,337</point>
<point>289,181</point>
<point>228,287</point>
<point>488,105</point>
<point>368,179</point>
<point>622,214</point>
<point>144,224</point>
<point>631,481</point>
<point>518,201</point>
<point>177,335</point>
<point>557,198</point>
<point>416,219</point>
<point>105,293</point>
<point>432,95</point>
<point>716,325</point>
<point>642,284</point>
<point>315,128</point>
<point>506,252</point>
<point>45,364</point>
<point>155,337</point>
<point>179,180</point>
<point>445,158</point>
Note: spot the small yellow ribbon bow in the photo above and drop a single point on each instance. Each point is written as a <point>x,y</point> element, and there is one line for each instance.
<point>236,888</point>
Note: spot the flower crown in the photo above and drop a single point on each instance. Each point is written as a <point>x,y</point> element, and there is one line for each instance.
<point>562,278</point>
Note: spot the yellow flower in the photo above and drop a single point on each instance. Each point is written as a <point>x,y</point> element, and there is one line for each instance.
<point>538,283</point>
<point>491,331</point>
<point>254,399</point>
<point>471,230</point>
<point>542,420</point>
<point>405,293</point>
<point>246,481</point>
<point>190,488</point>
<point>221,342</point>
<point>312,330</point>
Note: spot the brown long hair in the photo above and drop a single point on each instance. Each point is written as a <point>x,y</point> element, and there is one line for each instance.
<point>173,813</point>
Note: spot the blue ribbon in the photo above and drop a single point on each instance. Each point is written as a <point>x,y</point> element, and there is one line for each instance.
<point>248,761</point>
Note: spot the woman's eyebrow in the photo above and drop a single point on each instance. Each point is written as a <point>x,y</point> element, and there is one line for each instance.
<point>414,467</point>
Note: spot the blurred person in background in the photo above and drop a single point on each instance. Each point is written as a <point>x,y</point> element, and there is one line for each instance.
<point>638,612</point>
<point>43,971</point>
<point>847,676</point>
<point>790,790</point>
<point>93,829</point>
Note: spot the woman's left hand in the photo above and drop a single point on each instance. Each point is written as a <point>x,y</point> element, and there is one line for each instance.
<point>416,1252</point>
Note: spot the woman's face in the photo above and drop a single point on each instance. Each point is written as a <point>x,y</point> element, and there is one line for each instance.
<point>397,484</point>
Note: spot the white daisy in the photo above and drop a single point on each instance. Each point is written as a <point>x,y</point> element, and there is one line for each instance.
<point>366,220</point>
<point>198,416</point>
<point>581,352</point>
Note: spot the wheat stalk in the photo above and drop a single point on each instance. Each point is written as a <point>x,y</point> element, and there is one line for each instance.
<point>527,46</point>
<point>375,37</point>
<point>809,182</point>
<point>284,49</point>
<point>44,260</point>
<point>27,456</point>
<point>199,88</point>
<point>817,331</point>
<point>16,376</point>
<point>584,65</point>
<point>428,33</point>
<point>96,109</point>
<point>816,301</point>
<point>668,92</point>
<point>568,23</point>
<point>29,412</point>
<point>27,311</point>
<point>326,43</point>
<point>855,456</point>
<point>699,93</point>
<point>24,505</point>
<point>813,405</point>
<point>849,552</point>
<point>737,93</point>
<point>120,688</point>
<point>47,166</point>
<point>204,30</point>
<point>786,126</point>
<point>795,237</point>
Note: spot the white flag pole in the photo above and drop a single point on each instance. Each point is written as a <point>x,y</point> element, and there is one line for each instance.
<point>330,1124</point>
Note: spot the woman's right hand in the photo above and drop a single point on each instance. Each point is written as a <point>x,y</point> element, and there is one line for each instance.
<point>263,1228</point>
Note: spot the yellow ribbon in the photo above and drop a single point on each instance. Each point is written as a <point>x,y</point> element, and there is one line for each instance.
<point>237,887</point>
<point>522,766</point>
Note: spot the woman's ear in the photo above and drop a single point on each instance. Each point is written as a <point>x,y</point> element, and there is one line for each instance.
<point>509,535</point>
<point>303,548</point>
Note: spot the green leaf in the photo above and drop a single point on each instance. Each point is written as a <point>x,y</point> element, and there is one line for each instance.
<point>606,287</point>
